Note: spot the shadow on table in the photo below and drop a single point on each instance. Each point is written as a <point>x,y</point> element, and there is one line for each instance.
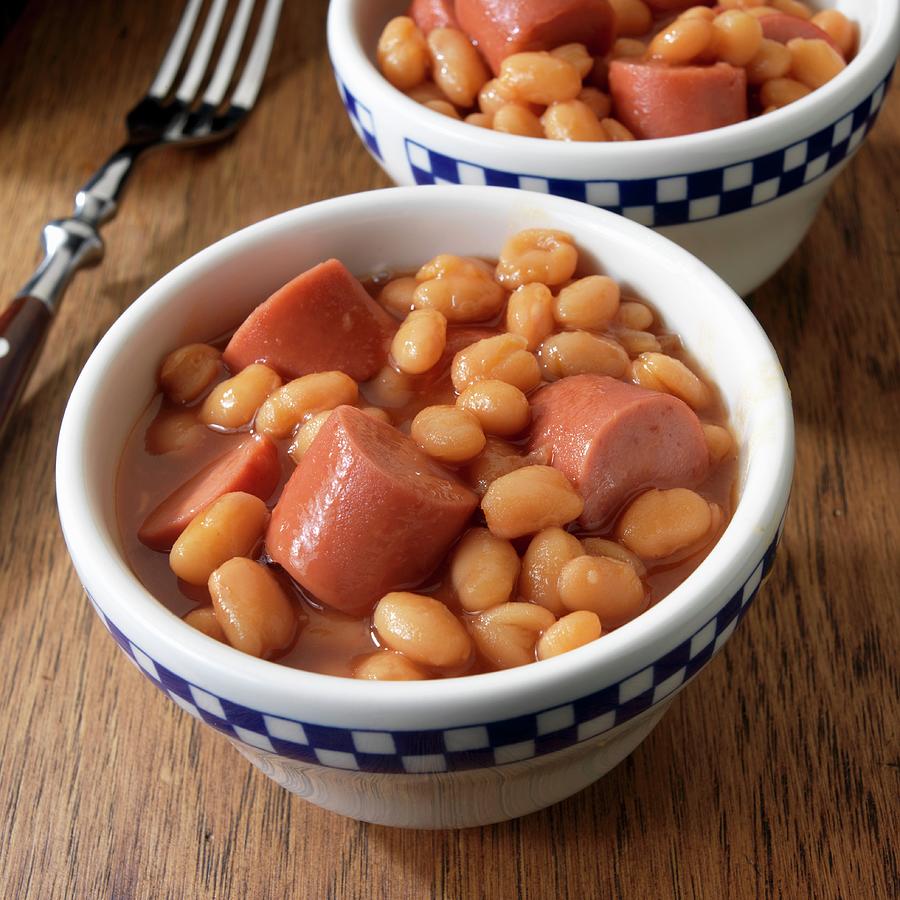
<point>576,838</point>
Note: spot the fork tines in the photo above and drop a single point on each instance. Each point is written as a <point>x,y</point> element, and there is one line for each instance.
<point>193,70</point>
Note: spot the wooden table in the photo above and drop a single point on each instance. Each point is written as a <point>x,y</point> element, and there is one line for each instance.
<point>777,774</point>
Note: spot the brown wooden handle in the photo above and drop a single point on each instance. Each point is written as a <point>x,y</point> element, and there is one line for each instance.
<point>23,327</point>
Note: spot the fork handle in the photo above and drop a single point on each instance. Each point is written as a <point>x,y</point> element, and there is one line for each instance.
<point>68,244</point>
<point>23,327</point>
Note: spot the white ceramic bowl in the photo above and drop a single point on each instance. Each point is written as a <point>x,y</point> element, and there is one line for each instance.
<point>460,751</point>
<point>740,198</point>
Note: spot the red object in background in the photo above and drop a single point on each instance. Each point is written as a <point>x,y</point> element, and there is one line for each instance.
<point>653,100</point>
<point>783,28</point>
<point>613,440</point>
<point>322,320</point>
<point>428,14</point>
<point>503,27</point>
<point>364,513</point>
<point>252,467</point>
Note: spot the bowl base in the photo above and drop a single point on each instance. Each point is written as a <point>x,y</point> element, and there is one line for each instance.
<point>770,234</point>
<point>461,799</point>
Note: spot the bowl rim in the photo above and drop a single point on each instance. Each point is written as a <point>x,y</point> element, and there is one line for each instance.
<point>740,140</point>
<point>135,611</point>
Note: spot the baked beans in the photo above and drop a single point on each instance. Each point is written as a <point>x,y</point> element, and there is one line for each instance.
<point>549,550</point>
<point>627,48</point>
<point>422,629</point>
<point>231,526</point>
<point>492,96</point>
<point>506,635</point>
<point>660,372</point>
<point>705,13</point>
<point>537,254</point>
<point>737,37</point>
<point>839,28</point>
<point>173,430</point>
<point>682,42</point>
<point>306,434</point>
<point>448,433</point>
<point>403,53</point>
<point>577,55</point>
<point>594,546</point>
<point>456,66</point>
<point>425,92</point>
<point>602,585</point>
<point>539,78</point>
<point>634,343</point>
<point>419,342</point>
<point>203,618</point>
<point>498,458</point>
<point>233,403</point>
<point>287,407</point>
<point>660,523</point>
<point>515,118</point>
<point>792,8</point>
<point>598,102</point>
<point>187,372</point>
<point>377,413</point>
<point>815,62</point>
<point>251,607</point>
<point>389,388</point>
<point>589,303</point>
<point>460,289</point>
<point>529,313</point>
<point>633,17</point>
<point>772,60</point>
<point>719,441</point>
<point>520,577</point>
<point>528,500</point>
<point>483,570</point>
<point>558,92</point>
<point>616,131</point>
<point>501,408</point>
<point>388,665</point>
<point>581,353</point>
<point>504,357</point>
<point>572,120</point>
<point>482,120</point>
<point>444,107</point>
<point>568,633</point>
<point>779,92</point>
<point>634,315</point>
<point>397,296</point>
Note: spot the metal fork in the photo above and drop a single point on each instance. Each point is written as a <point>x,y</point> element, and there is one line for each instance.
<point>161,118</point>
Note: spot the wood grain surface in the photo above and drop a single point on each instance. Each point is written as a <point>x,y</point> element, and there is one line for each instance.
<point>776,774</point>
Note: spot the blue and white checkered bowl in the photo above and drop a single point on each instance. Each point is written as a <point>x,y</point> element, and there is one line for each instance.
<point>740,198</point>
<point>460,751</point>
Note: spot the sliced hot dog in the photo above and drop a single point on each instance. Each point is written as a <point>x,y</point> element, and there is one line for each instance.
<point>364,513</point>
<point>428,14</point>
<point>613,440</point>
<point>320,321</point>
<point>783,28</point>
<point>502,27</point>
<point>252,467</point>
<point>656,101</point>
<point>675,5</point>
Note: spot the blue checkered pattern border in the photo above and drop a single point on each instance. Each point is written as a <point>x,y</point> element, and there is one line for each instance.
<point>479,745</point>
<point>678,199</point>
<point>361,118</point>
